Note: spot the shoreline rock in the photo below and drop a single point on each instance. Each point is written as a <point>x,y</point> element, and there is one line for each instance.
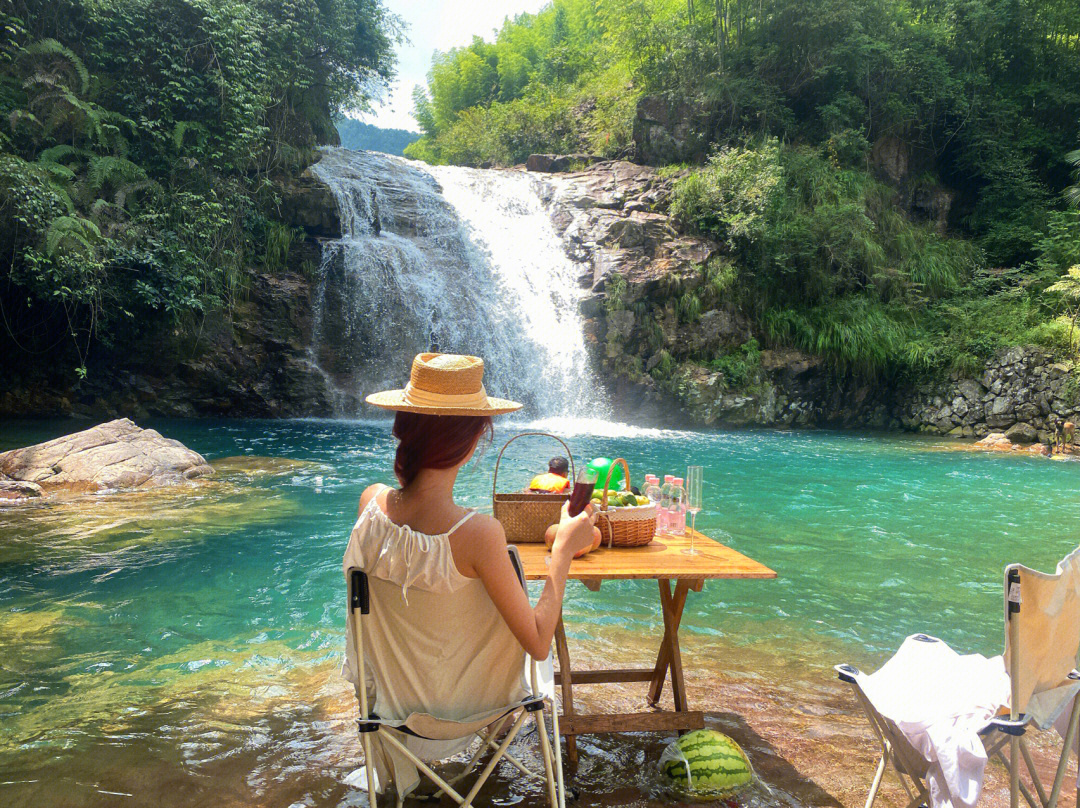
<point>116,454</point>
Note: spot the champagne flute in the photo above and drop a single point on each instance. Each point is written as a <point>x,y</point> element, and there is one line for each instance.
<point>693,503</point>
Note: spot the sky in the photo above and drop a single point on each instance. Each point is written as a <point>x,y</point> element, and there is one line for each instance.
<point>432,26</point>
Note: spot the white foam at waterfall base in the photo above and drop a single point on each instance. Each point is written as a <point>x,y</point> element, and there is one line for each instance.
<point>454,259</point>
<point>569,426</point>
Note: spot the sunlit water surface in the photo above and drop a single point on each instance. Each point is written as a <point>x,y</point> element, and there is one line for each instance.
<point>181,647</point>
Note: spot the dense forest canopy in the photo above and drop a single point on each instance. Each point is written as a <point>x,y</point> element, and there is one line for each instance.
<point>140,145</point>
<point>792,98</point>
<point>356,134</point>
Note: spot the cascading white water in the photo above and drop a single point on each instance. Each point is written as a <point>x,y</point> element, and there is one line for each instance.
<point>454,259</point>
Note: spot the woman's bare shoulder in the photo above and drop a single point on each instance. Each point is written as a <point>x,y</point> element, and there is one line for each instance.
<point>479,539</point>
<point>488,528</point>
<point>369,492</point>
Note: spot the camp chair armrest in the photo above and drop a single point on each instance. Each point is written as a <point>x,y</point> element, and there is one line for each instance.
<point>1009,726</point>
<point>846,672</point>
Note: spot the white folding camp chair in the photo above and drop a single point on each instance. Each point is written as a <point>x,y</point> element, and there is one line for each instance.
<point>425,726</point>
<point>1042,640</point>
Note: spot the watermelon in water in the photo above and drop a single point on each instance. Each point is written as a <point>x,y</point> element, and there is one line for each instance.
<point>706,765</point>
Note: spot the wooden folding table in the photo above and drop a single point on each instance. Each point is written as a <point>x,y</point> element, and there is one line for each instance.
<point>664,561</point>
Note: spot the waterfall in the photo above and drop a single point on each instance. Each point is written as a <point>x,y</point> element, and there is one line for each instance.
<point>454,259</point>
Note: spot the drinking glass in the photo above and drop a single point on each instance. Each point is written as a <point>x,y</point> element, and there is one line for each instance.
<point>693,503</point>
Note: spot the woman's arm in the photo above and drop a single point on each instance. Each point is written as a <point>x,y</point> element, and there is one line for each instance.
<point>533,627</point>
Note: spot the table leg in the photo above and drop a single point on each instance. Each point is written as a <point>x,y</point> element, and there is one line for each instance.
<point>563,654</point>
<point>672,609</point>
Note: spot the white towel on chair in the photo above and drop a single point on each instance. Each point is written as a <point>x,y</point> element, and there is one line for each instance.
<point>939,700</point>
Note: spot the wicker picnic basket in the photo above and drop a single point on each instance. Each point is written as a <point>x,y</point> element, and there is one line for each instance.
<point>525,515</point>
<point>627,526</point>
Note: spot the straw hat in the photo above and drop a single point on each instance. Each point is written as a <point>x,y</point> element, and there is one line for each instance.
<point>444,384</point>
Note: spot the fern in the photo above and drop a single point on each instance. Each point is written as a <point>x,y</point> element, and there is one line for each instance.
<point>126,190</point>
<point>22,116</point>
<point>182,128</point>
<point>109,170</point>
<point>1072,193</point>
<point>67,231</point>
<point>46,50</point>
<point>61,154</point>
<point>58,171</point>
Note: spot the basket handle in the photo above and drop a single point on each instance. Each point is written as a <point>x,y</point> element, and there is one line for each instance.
<point>607,482</point>
<point>603,499</point>
<point>498,460</point>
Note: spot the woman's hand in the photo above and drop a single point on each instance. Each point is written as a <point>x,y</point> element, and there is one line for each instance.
<point>575,533</point>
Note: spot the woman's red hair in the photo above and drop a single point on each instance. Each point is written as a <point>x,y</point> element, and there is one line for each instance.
<point>435,441</point>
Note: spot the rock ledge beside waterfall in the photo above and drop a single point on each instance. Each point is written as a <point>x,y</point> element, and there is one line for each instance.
<point>640,268</point>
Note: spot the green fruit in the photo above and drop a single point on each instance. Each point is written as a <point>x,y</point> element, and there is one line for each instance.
<point>717,766</point>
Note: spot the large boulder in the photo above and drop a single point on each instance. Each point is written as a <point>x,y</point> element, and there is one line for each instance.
<point>117,454</point>
<point>1022,433</point>
<point>307,203</point>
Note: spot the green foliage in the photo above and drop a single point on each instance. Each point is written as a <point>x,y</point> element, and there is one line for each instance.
<point>820,250</point>
<point>356,134</point>
<point>739,365</point>
<point>551,81</point>
<point>728,199</point>
<point>140,141</point>
<point>981,91</point>
<point>279,240</point>
<point>615,290</point>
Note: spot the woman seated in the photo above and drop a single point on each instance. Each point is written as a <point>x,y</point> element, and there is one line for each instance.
<point>449,564</point>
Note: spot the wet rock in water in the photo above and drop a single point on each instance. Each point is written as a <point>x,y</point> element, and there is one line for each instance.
<point>255,466</point>
<point>117,454</point>
<point>18,490</point>
<point>1022,433</point>
<point>995,440</point>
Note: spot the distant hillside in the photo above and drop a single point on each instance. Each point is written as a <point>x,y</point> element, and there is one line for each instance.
<point>359,135</point>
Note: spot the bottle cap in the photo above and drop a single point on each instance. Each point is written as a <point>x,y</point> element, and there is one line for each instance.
<point>678,481</point>
<point>669,478</point>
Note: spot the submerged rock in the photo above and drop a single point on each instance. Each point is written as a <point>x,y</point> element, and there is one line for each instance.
<point>117,454</point>
<point>18,490</point>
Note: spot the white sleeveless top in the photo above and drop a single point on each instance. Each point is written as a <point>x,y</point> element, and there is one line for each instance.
<point>403,556</point>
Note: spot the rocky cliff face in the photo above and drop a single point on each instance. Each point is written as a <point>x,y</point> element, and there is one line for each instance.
<point>1020,392</point>
<point>673,348</point>
<point>671,345</point>
<point>254,360</point>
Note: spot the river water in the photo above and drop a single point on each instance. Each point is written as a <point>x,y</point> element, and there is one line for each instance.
<point>182,647</point>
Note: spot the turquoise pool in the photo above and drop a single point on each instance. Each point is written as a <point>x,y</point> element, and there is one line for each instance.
<point>181,647</point>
